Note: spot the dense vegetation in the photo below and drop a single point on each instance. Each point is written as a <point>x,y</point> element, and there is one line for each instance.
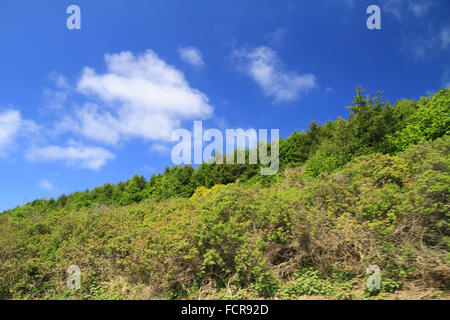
<point>370,190</point>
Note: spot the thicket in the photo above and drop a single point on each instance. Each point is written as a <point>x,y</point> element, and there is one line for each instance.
<point>370,190</point>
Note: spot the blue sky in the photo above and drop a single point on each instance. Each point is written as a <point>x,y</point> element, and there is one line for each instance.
<point>79,108</point>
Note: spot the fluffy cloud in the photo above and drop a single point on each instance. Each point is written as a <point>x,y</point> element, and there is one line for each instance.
<point>263,65</point>
<point>75,154</point>
<point>141,96</point>
<point>93,123</point>
<point>10,123</point>
<point>191,55</point>
<point>137,96</point>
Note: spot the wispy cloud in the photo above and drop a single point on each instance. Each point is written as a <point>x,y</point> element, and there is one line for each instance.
<point>59,80</point>
<point>55,98</point>
<point>160,148</point>
<point>46,185</point>
<point>329,90</point>
<point>75,154</point>
<point>433,41</point>
<point>264,66</point>
<point>420,45</point>
<point>420,9</point>
<point>226,34</point>
<point>10,123</point>
<point>394,7</point>
<point>276,37</point>
<point>445,37</point>
<point>192,56</point>
<point>400,8</point>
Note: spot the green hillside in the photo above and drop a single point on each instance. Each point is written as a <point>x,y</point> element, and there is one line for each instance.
<point>369,190</point>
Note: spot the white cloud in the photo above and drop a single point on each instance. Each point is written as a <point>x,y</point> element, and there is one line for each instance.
<point>75,155</point>
<point>93,123</point>
<point>263,65</point>
<point>191,55</point>
<point>46,185</point>
<point>10,123</point>
<point>142,97</point>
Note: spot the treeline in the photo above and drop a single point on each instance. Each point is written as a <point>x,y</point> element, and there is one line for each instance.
<point>374,126</point>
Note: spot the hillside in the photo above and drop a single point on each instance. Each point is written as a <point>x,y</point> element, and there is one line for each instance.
<point>370,190</point>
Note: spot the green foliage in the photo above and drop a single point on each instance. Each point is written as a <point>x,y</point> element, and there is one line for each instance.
<point>310,282</point>
<point>223,231</point>
<point>375,126</point>
<point>430,121</point>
